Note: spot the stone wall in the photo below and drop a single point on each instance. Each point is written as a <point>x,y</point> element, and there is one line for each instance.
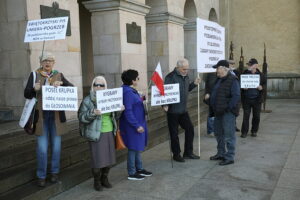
<point>14,55</point>
<point>276,23</point>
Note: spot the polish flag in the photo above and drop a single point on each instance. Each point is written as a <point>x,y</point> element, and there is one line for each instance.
<point>157,78</point>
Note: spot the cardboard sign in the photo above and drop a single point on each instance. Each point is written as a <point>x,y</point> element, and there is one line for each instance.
<point>210,45</point>
<point>46,29</point>
<point>109,100</point>
<point>60,98</point>
<point>250,80</point>
<point>172,95</point>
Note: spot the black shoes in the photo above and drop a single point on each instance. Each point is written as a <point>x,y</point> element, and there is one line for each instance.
<point>191,156</point>
<point>135,177</point>
<point>216,157</point>
<point>41,182</point>
<point>226,162</point>
<point>244,135</point>
<point>253,134</point>
<point>144,172</point>
<point>178,158</point>
<point>54,178</point>
<point>237,130</point>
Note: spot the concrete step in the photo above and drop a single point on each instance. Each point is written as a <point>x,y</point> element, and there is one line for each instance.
<point>6,115</point>
<point>22,174</point>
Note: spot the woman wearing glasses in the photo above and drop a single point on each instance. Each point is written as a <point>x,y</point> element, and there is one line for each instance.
<point>133,125</point>
<point>100,130</point>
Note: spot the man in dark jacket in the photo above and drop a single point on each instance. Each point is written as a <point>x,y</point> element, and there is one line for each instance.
<point>224,100</point>
<point>177,113</point>
<point>252,99</point>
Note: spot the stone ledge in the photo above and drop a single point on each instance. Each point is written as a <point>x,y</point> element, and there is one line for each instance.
<point>110,5</point>
<point>165,17</point>
<point>283,75</point>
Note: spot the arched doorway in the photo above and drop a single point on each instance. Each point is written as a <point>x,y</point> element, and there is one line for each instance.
<point>213,15</point>
<point>190,36</point>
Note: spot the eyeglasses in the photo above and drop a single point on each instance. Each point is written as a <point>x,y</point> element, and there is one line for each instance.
<point>99,85</point>
<point>48,60</point>
<point>137,79</point>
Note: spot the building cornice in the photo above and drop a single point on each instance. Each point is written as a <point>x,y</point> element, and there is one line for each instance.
<point>110,5</point>
<point>165,17</point>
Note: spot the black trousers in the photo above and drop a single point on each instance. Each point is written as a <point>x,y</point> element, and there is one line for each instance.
<point>185,123</point>
<point>255,106</point>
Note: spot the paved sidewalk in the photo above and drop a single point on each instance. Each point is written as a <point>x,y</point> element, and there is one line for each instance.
<point>266,167</point>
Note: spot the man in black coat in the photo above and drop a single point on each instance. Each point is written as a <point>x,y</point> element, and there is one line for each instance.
<point>224,100</point>
<point>251,100</point>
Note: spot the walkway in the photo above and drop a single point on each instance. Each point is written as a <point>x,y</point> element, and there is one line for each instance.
<point>266,167</point>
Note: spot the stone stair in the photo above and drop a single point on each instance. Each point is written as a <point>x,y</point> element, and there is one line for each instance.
<point>18,157</point>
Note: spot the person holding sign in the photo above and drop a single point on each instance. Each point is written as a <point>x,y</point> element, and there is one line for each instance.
<point>224,100</point>
<point>100,130</point>
<point>252,99</point>
<point>177,113</point>
<point>133,125</point>
<point>50,124</point>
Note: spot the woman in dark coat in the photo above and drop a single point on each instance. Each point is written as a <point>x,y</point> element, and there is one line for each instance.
<point>133,125</point>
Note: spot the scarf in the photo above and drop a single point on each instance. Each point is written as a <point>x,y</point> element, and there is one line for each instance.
<point>46,74</point>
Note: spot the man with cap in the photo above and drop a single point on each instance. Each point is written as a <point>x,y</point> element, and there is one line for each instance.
<point>224,100</point>
<point>252,99</point>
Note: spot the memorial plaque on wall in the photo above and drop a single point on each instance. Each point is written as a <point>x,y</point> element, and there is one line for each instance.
<point>55,11</point>
<point>134,34</point>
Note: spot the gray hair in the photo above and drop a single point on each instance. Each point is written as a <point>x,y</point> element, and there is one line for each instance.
<point>182,62</point>
<point>98,78</point>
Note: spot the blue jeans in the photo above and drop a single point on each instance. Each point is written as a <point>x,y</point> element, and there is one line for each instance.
<point>210,125</point>
<point>134,161</point>
<point>225,135</point>
<point>49,133</point>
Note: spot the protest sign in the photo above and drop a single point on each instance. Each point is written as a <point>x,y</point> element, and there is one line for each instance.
<point>60,98</point>
<point>250,80</point>
<point>109,100</point>
<point>46,29</point>
<point>172,95</point>
<point>210,45</point>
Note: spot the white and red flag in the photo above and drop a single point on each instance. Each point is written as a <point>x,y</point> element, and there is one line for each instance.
<point>158,80</point>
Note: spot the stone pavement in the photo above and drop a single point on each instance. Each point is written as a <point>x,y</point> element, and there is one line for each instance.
<point>266,167</point>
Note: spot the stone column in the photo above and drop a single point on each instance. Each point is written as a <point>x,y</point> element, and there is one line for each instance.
<point>165,40</point>
<point>112,53</point>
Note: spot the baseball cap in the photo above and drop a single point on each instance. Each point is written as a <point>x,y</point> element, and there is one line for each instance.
<point>252,61</point>
<point>223,63</point>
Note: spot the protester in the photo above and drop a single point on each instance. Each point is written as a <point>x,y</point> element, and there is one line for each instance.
<point>210,80</point>
<point>251,100</point>
<point>100,130</point>
<point>177,114</point>
<point>224,100</point>
<point>50,124</point>
<point>133,125</point>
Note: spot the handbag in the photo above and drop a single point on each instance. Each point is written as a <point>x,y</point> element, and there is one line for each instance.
<point>119,141</point>
<point>29,115</point>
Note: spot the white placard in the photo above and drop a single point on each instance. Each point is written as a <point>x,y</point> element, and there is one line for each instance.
<point>60,98</point>
<point>46,29</point>
<point>172,95</point>
<point>250,80</point>
<point>210,45</point>
<point>109,100</point>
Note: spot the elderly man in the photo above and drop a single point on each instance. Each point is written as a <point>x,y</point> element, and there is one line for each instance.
<point>177,113</point>
<point>224,100</point>
<point>252,99</point>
